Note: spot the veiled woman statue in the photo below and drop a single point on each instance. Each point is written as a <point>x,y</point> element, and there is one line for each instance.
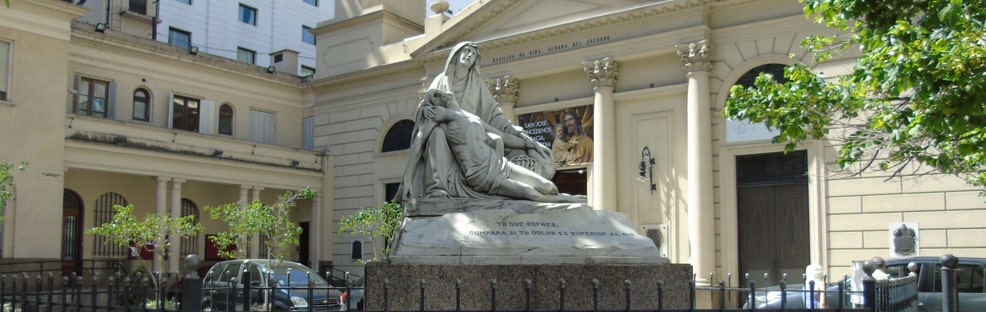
<point>432,172</point>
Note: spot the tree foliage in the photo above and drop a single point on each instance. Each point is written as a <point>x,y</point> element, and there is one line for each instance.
<point>915,96</point>
<point>7,183</point>
<point>150,234</point>
<point>381,222</point>
<point>272,223</point>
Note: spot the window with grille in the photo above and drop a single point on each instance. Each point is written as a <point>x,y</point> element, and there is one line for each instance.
<point>104,214</point>
<point>189,245</point>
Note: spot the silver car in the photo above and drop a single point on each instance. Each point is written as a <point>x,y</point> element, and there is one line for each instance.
<point>274,286</point>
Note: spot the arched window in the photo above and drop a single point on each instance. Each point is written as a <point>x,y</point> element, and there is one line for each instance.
<point>226,119</point>
<point>104,214</point>
<point>777,70</point>
<point>356,253</point>
<point>743,130</point>
<point>398,137</point>
<point>142,105</point>
<point>189,245</point>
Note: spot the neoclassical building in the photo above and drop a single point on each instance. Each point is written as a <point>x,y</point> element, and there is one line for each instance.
<point>104,117</point>
<point>647,81</point>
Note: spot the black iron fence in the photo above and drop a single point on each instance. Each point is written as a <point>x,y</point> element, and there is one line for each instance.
<point>121,292</point>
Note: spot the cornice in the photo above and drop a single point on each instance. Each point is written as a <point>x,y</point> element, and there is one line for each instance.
<point>82,32</point>
<point>368,18</point>
<point>437,49</point>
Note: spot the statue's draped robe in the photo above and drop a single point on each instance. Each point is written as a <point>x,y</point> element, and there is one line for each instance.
<point>431,169</point>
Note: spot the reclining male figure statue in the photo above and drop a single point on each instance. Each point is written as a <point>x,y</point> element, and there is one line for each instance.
<point>478,147</point>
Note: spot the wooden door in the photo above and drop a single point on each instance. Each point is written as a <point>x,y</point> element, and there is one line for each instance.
<point>773,217</point>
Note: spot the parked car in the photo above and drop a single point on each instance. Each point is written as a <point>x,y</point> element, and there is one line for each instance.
<point>970,276</point>
<point>353,296</point>
<point>223,287</point>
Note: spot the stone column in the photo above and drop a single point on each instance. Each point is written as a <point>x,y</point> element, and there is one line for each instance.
<point>603,74</point>
<point>697,58</point>
<point>257,251</point>
<point>505,90</point>
<point>244,200</point>
<point>174,260</point>
<point>161,205</point>
<point>315,233</point>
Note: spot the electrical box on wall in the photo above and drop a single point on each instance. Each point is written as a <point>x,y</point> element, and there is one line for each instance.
<point>660,234</point>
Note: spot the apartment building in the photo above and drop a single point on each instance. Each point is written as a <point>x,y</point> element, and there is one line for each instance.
<point>257,32</point>
<point>104,117</point>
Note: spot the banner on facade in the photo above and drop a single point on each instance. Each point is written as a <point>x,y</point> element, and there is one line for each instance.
<point>567,132</point>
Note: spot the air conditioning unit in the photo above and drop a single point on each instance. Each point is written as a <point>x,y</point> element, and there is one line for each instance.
<point>661,235</point>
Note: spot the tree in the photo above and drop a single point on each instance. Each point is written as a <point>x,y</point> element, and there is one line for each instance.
<point>381,222</point>
<point>916,95</point>
<point>153,233</point>
<point>271,222</point>
<point>7,182</point>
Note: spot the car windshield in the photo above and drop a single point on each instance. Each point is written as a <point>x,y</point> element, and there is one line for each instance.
<point>294,275</point>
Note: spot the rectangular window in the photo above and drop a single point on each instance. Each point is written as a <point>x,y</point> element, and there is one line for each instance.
<point>307,71</point>
<point>308,133</point>
<point>306,35</point>
<point>138,6</point>
<point>189,2</point>
<point>179,37</point>
<point>93,97</point>
<point>185,113</point>
<point>4,71</point>
<point>312,2</point>
<point>262,127</point>
<point>248,15</point>
<point>246,55</point>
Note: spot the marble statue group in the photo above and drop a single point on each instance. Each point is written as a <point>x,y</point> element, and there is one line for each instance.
<point>463,147</point>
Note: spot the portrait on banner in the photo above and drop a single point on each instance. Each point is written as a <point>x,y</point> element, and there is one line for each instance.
<point>567,132</point>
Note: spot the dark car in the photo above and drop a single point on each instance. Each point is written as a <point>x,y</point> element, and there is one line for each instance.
<point>969,276</point>
<point>274,285</point>
<point>970,279</point>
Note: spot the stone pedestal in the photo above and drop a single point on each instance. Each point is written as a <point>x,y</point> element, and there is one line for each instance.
<point>490,231</point>
<point>405,291</point>
<point>475,241</point>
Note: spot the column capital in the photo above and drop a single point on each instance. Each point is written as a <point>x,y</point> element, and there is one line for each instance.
<point>177,180</point>
<point>697,56</point>
<point>504,89</point>
<point>602,72</point>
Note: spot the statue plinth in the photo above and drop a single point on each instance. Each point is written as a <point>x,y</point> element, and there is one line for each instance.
<point>501,232</point>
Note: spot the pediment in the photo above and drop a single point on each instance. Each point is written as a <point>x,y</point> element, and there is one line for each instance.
<point>485,21</point>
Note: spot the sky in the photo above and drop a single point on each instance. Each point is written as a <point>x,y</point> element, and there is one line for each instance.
<point>454,5</point>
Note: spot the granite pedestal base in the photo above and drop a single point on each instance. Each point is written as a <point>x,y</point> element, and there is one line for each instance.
<point>405,291</point>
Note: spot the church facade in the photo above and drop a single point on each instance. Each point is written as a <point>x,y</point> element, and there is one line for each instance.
<point>647,82</point>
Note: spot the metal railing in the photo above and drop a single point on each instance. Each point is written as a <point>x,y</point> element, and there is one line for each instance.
<point>136,293</point>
